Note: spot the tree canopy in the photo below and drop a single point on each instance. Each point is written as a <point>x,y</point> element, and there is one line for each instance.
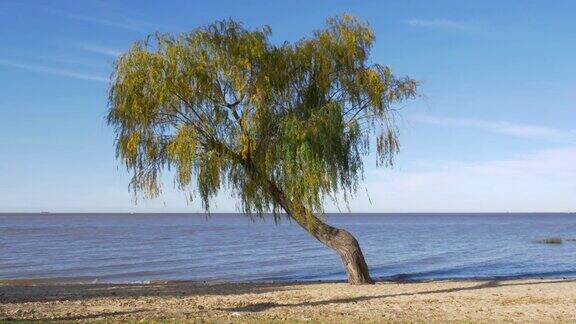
<point>223,106</point>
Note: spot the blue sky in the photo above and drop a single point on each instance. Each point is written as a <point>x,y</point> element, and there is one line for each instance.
<point>493,131</point>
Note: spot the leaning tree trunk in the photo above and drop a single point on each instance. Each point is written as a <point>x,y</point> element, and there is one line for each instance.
<point>341,241</point>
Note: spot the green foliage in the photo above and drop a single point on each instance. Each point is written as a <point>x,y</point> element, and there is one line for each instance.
<point>551,240</point>
<point>222,105</point>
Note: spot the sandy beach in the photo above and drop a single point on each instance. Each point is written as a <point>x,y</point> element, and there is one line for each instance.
<point>551,300</point>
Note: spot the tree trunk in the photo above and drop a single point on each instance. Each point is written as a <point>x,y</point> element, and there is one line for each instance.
<point>341,241</point>
<point>344,243</point>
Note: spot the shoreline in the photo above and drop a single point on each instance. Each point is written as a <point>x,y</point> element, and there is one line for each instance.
<point>391,279</point>
<point>518,300</point>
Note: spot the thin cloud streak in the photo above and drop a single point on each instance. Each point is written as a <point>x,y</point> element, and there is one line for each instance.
<point>126,23</point>
<point>107,51</point>
<point>120,20</point>
<point>499,127</point>
<point>443,24</point>
<point>54,71</point>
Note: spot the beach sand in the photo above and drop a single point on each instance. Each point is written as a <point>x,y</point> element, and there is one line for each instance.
<point>438,301</point>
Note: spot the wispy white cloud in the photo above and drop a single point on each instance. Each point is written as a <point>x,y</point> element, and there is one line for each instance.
<point>499,127</point>
<point>541,181</point>
<point>52,70</point>
<point>75,61</point>
<point>124,23</point>
<point>115,16</point>
<point>443,24</point>
<point>98,49</point>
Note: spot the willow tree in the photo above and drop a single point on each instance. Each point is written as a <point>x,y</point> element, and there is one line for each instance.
<point>283,127</point>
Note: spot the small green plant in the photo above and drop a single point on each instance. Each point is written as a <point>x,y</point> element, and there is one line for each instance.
<point>552,240</point>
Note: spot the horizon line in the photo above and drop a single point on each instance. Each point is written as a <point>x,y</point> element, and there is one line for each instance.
<point>255,214</point>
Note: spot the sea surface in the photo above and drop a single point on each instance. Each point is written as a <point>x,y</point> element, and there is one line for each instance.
<point>232,247</point>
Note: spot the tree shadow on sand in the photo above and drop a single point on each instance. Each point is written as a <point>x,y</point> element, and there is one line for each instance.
<point>43,291</point>
<point>93,316</point>
<point>38,291</point>
<point>259,307</point>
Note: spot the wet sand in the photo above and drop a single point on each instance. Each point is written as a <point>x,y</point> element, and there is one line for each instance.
<point>439,301</point>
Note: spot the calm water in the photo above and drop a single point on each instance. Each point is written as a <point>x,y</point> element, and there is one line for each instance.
<point>134,248</point>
